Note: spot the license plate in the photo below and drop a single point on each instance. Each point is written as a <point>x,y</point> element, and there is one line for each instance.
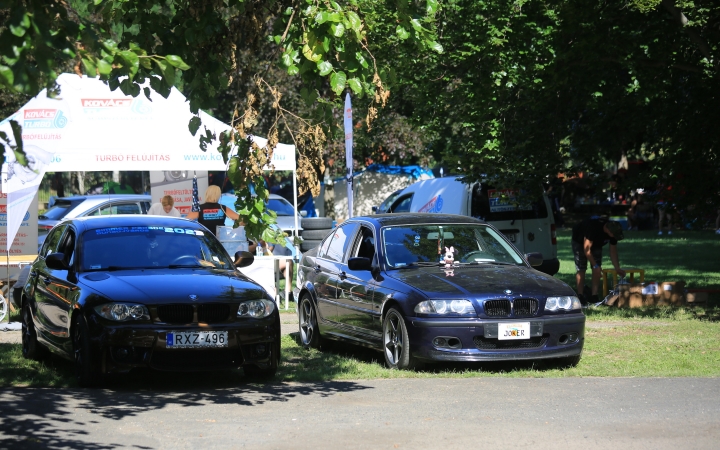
<point>196,339</point>
<point>511,237</point>
<point>514,330</point>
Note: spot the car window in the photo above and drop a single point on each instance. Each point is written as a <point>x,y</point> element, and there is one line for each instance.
<point>67,246</point>
<point>364,244</point>
<point>281,207</point>
<point>53,240</point>
<point>58,210</point>
<point>402,204</point>
<point>339,242</point>
<point>151,247</point>
<point>405,245</point>
<point>117,208</point>
<point>385,205</point>
<point>494,205</point>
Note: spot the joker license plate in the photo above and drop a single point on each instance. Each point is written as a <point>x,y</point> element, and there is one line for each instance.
<point>196,339</point>
<point>514,330</point>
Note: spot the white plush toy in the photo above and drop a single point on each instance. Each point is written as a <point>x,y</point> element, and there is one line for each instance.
<point>449,256</point>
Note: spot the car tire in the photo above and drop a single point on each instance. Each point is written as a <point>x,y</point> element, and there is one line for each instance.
<point>31,348</point>
<point>315,234</point>
<point>85,373</point>
<point>396,343</point>
<point>306,246</point>
<point>308,324</point>
<point>317,223</point>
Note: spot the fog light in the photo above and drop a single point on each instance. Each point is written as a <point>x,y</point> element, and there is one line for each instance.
<point>439,342</point>
<point>260,349</point>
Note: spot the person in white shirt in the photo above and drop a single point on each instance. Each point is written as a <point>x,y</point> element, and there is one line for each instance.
<point>164,208</point>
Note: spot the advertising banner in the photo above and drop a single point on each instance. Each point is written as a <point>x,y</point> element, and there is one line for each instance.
<point>178,184</point>
<point>25,241</point>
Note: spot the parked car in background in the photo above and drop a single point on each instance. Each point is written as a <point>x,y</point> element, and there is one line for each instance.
<point>90,205</point>
<point>122,292</point>
<point>385,205</point>
<point>284,209</point>
<point>435,287</point>
<point>530,226</point>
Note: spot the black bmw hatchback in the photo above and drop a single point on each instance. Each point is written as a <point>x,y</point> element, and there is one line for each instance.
<point>123,292</point>
<point>432,287</point>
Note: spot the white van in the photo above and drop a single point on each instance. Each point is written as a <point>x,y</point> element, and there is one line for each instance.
<point>530,228</point>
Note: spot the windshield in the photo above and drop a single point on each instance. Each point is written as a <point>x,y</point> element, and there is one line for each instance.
<point>408,244</point>
<point>58,210</point>
<point>151,247</point>
<point>281,207</point>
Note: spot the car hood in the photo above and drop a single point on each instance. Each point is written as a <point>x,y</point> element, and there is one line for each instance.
<point>288,223</point>
<point>481,281</point>
<point>162,286</point>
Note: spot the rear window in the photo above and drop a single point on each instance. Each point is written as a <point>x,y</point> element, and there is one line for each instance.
<point>58,210</point>
<point>492,204</point>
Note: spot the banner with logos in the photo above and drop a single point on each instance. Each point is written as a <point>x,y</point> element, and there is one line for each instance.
<point>178,184</point>
<point>25,240</point>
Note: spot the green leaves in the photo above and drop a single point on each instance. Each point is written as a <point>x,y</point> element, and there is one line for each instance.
<point>176,62</point>
<point>337,82</point>
<point>324,68</point>
<point>194,125</point>
<point>402,32</point>
<point>355,85</point>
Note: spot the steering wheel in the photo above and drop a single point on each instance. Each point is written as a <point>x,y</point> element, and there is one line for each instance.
<point>189,260</point>
<point>475,254</point>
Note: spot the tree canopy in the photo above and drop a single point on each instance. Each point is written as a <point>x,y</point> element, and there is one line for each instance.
<point>511,90</point>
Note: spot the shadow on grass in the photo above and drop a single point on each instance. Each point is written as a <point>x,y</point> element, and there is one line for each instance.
<point>339,358</point>
<point>710,313</point>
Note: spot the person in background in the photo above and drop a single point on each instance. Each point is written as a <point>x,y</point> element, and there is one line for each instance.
<point>212,214</point>
<point>166,207</point>
<point>588,239</point>
<point>273,249</point>
<point>328,176</point>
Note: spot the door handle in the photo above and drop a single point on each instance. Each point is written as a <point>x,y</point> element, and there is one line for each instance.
<point>46,280</point>
<point>317,269</point>
<point>342,275</point>
<point>33,274</point>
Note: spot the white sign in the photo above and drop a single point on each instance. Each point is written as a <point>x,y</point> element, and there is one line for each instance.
<point>178,184</point>
<point>26,239</point>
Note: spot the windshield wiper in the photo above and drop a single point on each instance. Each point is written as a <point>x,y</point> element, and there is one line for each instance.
<point>177,266</point>
<point>417,264</point>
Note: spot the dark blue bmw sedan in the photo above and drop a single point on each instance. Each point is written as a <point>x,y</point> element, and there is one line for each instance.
<point>430,287</point>
<point>116,293</point>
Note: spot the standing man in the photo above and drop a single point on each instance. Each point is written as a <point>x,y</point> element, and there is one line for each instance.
<point>588,239</point>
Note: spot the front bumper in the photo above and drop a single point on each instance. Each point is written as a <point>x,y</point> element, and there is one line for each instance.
<point>118,348</point>
<point>476,339</point>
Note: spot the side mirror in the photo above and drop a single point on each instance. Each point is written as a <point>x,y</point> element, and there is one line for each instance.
<point>56,261</point>
<point>243,259</point>
<point>303,213</point>
<point>375,209</point>
<point>359,264</point>
<point>535,259</point>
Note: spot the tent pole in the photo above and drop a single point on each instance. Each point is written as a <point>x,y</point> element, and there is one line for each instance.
<point>295,199</point>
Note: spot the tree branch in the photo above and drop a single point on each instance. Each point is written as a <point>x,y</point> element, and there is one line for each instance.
<point>692,33</point>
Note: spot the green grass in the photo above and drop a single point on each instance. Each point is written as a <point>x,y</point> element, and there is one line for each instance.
<point>690,256</point>
<point>643,342</point>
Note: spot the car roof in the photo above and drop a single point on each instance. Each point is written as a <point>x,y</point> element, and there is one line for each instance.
<point>105,197</point>
<point>394,219</point>
<point>132,220</point>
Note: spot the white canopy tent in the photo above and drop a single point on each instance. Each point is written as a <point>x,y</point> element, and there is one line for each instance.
<point>88,127</point>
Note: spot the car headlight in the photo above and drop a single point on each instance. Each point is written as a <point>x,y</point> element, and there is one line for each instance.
<point>256,309</point>
<point>566,303</point>
<point>446,307</point>
<point>122,312</point>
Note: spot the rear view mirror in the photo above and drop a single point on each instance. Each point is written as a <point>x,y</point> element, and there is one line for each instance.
<point>243,259</point>
<point>535,259</point>
<point>374,209</point>
<point>446,235</point>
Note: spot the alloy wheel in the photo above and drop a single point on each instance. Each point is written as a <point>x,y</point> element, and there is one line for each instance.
<point>307,323</point>
<point>393,339</point>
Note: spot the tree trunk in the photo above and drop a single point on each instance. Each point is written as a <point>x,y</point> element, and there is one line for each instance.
<point>81,182</point>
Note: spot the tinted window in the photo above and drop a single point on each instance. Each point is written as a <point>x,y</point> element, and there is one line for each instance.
<point>385,205</point>
<point>494,204</point>
<point>364,244</point>
<point>58,210</point>
<point>339,241</point>
<point>281,207</point>
<point>118,208</point>
<point>402,204</point>
<point>132,247</point>
<point>51,242</point>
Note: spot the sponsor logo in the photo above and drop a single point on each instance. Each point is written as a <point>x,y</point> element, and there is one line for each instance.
<point>44,118</point>
<point>433,206</point>
<point>106,102</point>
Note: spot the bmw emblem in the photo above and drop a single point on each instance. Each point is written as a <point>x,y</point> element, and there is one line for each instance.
<point>508,291</point>
<point>192,297</point>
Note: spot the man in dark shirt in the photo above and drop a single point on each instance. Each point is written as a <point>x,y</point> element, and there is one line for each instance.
<point>588,239</point>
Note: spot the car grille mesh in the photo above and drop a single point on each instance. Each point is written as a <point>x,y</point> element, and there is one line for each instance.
<point>213,312</point>
<point>497,308</point>
<point>520,307</point>
<point>175,313</point>
<point>483,343</point>
<point>524,307</point>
